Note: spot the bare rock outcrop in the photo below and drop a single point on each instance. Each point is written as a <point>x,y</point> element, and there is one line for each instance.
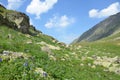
<point>13,19</point>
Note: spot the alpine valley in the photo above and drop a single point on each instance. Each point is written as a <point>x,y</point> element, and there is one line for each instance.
<point>28,54</point>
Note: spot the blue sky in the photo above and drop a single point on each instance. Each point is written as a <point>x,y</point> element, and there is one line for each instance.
<point>65,20</point>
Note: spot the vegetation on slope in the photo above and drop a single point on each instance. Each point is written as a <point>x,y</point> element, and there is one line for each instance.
<point>36,56</point>
<point>23,56</point>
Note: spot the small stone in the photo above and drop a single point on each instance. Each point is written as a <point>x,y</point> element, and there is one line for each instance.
<point>118,61</point>
<point>93,66</point>
<point>81,64</point>
<point>117,71</point>
<point>29,42</point>
<point>94,57</point>
<point>9,36</point>
<point>6,52</point>
<point>89,64</point>
<point>27,35</point>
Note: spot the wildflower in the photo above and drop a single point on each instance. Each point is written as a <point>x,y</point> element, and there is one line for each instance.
<point>25,64</point>
<point>0,59</point>
<point>44,74</point>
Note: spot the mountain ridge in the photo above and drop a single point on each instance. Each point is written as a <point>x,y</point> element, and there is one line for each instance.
<point>101,30</point>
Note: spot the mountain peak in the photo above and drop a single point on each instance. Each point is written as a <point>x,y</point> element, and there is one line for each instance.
<point>101,30</point>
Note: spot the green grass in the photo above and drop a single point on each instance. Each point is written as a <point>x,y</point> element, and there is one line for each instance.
<point>104,47</point>
<point>69,69</point>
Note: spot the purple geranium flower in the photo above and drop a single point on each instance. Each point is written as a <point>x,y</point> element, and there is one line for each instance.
<point>44,74</point>
<point>25,64</point>
<point>0,59</point>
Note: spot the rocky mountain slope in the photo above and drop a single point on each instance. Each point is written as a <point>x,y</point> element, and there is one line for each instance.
<point>28,54</point>
<point>13,19</point>
<point>105,28</point>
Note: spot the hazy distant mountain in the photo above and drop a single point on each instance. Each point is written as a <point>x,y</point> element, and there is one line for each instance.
<point>107,27</point>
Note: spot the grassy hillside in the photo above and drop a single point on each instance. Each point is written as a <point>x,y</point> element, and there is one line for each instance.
<point>28,54</point>
<point>41,57</point>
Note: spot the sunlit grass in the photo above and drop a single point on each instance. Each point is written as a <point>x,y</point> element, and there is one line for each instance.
<point>71,67</point>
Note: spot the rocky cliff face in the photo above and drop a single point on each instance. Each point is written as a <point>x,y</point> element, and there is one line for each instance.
<point>13,19</point>
<point>103,29</point>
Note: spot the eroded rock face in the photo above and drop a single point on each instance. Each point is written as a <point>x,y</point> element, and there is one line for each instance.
<point>13,19</point>
<point>5,21</point>
<point>20,19</point>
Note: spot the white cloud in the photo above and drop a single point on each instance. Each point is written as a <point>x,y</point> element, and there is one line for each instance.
<point>110,10</point>
<point>59,21</point>
<point>14,4</point>
<point>38,7</point>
